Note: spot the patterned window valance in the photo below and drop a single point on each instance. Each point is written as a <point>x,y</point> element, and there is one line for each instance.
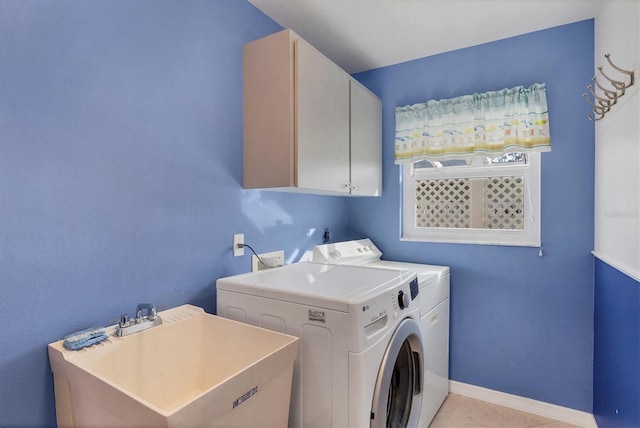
<point>486,124</point>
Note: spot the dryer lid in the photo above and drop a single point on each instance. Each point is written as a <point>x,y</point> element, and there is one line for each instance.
<point>363,252</point>
<point>426,273</point>
<point>326,286</point>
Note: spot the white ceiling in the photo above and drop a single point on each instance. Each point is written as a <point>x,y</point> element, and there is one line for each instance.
<point>361,35</point>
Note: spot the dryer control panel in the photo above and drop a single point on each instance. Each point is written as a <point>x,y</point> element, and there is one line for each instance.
<point>358,252</point>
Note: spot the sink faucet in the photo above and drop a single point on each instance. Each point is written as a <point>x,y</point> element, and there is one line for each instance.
<point>128,326</point>
<point>151,311</point>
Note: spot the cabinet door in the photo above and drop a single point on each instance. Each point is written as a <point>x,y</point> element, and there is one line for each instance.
<point>268,112</point>
<point>322,126</point>
<point>366,142</point>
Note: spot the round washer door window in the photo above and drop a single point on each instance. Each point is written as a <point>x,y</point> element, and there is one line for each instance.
<point>397,398</point>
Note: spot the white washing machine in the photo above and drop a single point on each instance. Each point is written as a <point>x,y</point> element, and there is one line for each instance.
<point>361,360</point>
<point>434,303</point>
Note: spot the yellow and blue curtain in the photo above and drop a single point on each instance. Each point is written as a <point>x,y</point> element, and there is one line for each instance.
<point>483,124</point>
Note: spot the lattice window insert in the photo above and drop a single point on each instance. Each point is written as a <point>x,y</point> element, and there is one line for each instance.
<point>482,203</point>
<point>504,203</point>
<point>443,203</point>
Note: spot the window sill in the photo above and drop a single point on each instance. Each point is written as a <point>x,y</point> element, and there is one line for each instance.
<point>528,244</point>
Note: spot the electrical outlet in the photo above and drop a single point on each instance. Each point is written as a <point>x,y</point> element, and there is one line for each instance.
<point>271,260</point>
<point>238,239</point>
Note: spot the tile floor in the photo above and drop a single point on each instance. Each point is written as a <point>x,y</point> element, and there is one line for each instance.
<point>458,411</point>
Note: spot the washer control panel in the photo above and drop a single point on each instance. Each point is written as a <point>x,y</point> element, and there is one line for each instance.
<point>404,298</point>
<point>376,314</point>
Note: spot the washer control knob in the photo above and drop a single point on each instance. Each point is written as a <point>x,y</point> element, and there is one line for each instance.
<point>404,299</point>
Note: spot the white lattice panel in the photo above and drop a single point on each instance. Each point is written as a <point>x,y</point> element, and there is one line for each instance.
<point>486,203</point>
<point>504,203</point>
<point>443,203</point>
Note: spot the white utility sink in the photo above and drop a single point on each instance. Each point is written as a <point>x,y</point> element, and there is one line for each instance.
<point>195,369</point>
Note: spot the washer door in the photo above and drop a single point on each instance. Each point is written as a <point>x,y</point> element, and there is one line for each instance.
<point>397,398</point>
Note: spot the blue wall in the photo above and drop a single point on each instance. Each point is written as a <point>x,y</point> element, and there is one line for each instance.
<point>519,323</point>
<point>616,372</point>
<point>120,172</point>
<point>120,182</point>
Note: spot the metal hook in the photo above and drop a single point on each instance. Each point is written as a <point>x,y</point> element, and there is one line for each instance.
<point>600,105</point>
<point>615,83</point>
<point>596,109</point>
<point>621,70</point>
<point>592,119</point>
<point>604,102</point>
<point>609,94</point>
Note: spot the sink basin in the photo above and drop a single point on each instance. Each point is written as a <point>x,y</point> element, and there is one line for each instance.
<point>195,369</point>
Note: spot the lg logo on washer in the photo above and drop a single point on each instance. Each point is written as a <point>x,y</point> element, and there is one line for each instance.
<point>376,314</point>
<point>375,317</point>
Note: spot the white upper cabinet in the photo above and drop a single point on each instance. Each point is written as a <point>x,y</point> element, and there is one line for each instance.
<point>308,125</point>
<point>322,108</point>
<point>366,142</point>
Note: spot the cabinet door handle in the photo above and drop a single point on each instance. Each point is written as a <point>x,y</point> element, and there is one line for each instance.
<point>345,186</point>
<point>354,187</point>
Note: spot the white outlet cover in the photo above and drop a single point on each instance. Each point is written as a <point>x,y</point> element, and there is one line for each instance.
<point>238,238</point>
<point>276,256</point>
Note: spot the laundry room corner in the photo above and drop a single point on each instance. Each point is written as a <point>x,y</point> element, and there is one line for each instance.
<point>521,318</point>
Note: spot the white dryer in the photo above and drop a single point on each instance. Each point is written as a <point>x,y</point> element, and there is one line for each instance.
<point>361,360</point>
<point>434,286</point>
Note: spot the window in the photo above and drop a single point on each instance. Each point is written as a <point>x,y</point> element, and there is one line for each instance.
<point>471,166</point>
<point>477,200</point>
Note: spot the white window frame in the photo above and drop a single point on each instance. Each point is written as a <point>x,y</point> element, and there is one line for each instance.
<point>529,236</point>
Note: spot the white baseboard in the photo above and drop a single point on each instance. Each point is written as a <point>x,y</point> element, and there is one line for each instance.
<point>540,408</point>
